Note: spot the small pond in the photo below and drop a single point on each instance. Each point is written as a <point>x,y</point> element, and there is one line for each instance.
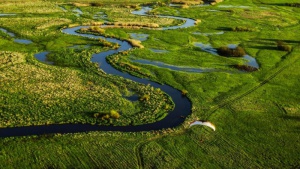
<point>42,57</point>
<point>23,41</point>
<point>139,36</point>
<point>172,67</point>
<point>208,48</point>
<point>9,33</point>
<point>159,50</point>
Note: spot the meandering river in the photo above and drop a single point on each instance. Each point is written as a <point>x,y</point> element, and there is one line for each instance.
<point>174,118</point>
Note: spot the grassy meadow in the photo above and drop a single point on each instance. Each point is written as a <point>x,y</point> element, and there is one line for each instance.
<point>256,114</point>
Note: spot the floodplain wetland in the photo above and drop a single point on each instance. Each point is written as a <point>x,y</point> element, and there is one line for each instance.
<point>49,77</point>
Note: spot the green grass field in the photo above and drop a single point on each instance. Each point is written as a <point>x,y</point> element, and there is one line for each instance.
<point>257,114</point>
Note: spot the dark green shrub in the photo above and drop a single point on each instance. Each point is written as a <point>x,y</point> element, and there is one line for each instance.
<point>105,117</point>
<point>293,4</point>
<point>245,68</point>
<point>284,47</point>
<point>238,52</point>
<point>242,29</point>
<point>184,92</point>
<point>96,115</point>
<point>114,114</point>
<point>145,97</point>
<point>96,4</point>
<point>229,52</point>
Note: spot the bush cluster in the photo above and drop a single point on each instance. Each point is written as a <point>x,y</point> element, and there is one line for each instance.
<point>245,68</point>
<point>284,47</point>
<point>96,29</point>
<point>229,52</point>
<point>96,4</point>
<point>242,29</point>
<point>145,97</point>
<point>184,92</point>
<point>105,116</point>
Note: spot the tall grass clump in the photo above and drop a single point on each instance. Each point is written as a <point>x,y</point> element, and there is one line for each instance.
<point>187,2</point>
<point>105,116</point>
<point>80,4</point>
<point>135,43</point>
<point>96,29</point>
<point>184,92</point>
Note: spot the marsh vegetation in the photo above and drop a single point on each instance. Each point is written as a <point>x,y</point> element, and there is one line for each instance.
<point>256,113</point>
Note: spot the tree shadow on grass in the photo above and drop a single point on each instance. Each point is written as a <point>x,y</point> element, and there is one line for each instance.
<point>284,4</point>
<point>224,29</point>
<point>276,40</point>
<point>264,47</point>
<point>295,118</point>
<point>268,43</point>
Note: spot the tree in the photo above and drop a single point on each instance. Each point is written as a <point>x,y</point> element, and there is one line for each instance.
<point>114,114</point>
